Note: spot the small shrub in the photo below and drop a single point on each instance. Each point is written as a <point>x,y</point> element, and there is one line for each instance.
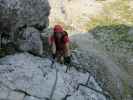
<point>73,45</point>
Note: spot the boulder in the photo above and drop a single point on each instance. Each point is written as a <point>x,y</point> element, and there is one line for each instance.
<point>108,74</point>
<point>30,40</point>
<point>130,32</point>
<point>14,14</point>
<point>16,96</point>
<point>3,92</point>
<point>45,35</point>
<point>30,98</point>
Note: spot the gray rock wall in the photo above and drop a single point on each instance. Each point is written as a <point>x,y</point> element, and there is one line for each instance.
<point>30,41</point>
<point>17,13</point>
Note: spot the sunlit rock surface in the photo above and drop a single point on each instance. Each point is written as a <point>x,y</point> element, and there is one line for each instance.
<point>26,77</point>
<point>30,40</point>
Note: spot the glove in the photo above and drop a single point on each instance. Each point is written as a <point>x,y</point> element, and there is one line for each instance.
<point>53,59</point>
<point>67,60</point>
<point>53,56</point>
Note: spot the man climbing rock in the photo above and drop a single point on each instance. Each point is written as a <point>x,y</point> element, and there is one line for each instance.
<point>59,43</point>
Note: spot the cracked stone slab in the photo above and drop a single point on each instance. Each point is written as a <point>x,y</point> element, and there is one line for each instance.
<point>30,98</point>
<point>32,77</point>
<point>3,92</point>
<point>68,82</point>
<point>16,96</point>
<point>86,94</point>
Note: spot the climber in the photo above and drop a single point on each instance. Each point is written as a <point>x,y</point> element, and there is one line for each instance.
<point>59,43</point>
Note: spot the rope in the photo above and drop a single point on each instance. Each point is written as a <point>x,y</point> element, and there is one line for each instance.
<point>55,83</point>
<point>106,94</point>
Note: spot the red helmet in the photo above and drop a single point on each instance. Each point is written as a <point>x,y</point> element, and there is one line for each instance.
<point>58,28</point>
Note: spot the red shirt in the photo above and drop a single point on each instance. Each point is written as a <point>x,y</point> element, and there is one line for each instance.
<point>51,39</point>
<point>60,44</point>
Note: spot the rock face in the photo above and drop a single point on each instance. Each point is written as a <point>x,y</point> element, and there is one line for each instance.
<point>30,40</point>
<point>94,58</point>
<point>25,77</point>
<point>17,13</point>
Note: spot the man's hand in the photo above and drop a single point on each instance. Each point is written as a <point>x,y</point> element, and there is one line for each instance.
<point>53,60</point>
<point>53,56</point>
<point>67,60</point>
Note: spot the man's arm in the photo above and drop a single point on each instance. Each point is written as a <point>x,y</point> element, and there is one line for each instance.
<point>67,58</point>
<point>53,48</point>
<point>68,51</point>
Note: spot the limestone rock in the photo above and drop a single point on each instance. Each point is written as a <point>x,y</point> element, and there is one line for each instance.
<point>3,92</point>
<point>16,96</point>
<point>30,40</point>
<point>30,98</point>
<point>24,74</point>
<point>23,12</point>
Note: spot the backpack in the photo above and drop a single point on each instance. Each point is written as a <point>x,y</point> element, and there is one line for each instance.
<point>65,34</point>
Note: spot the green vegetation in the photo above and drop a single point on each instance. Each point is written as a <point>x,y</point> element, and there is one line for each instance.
<point>113,25</point>
<point>115,13</point>
<point>3,52</point>
<point>73,46</point>
<point>127,90</point>
<point>114,38</point>
<point>121,10</point>
<point>6,51</point>
<point>102,20</point>
<point>112,29</point>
